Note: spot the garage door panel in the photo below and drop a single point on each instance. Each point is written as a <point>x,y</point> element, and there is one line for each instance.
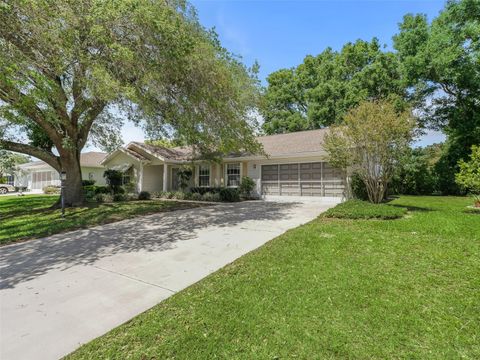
<point>302,179</point>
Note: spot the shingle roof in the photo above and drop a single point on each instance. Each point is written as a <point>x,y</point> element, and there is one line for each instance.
<point>296,143</point>
<point>88,159</point>
<point>135,154</point>
<point>177,153</point>
<point>92,159</point>
<point>300,142</point>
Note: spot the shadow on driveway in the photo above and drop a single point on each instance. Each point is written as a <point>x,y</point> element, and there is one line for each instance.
<point>156,232</point>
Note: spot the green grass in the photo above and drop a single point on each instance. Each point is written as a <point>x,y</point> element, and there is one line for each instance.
<point>30,216</point>
<point>331,289</point>
<point>357,209</point>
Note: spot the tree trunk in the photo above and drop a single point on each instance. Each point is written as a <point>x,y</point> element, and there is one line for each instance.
<point>73,190</point>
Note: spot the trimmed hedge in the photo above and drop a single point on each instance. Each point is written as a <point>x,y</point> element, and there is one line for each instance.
<point>229,194</point>
<point>204,190</point>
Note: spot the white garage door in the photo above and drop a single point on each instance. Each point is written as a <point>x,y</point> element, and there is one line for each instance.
<point>302,179</point>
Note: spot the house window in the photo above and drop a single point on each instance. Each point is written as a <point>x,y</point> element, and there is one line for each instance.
<point>233,174</point>
<point>204,175</point>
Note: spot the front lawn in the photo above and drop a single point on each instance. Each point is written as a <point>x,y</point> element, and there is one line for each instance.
<point>357,209</point>
<point>332,289</point>
<point>30,216</point>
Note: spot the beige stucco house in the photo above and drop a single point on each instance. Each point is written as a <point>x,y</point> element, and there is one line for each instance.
<point>294,166</point>
<point>36,175</point>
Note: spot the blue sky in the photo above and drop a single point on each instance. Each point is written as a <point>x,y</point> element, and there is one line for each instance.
<point>279,34</point>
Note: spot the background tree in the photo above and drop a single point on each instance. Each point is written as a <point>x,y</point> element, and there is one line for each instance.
<point>320,91</point>
<point>415,174</point>
<point>469,175</point>
<point>441,65</point>
<point>9,162</point>
<point>371,141</point>
<point>74,70</point>
<point>165,142</point>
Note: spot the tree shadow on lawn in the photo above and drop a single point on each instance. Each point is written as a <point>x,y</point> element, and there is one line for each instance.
<point>157,232</point>
<point>25,205</point>
<point>412,208</point>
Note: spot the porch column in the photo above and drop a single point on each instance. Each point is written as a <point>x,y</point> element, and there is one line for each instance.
<point>165,177</point>
<point>140,178</point>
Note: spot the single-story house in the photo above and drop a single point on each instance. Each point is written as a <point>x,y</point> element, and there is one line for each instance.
<point>36,175</point>
<point>294,166</point>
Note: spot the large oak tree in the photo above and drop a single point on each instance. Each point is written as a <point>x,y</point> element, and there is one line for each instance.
<point>72,71</point>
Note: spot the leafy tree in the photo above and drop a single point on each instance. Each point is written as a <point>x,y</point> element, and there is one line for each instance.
<point>9,162</point>
<point>74,70</point>
<point>320,91</point>
<point>371,141</point>
<point>440,63</point>
<point>165,142</point>
<point>416,174</point>
<point>469,175</point>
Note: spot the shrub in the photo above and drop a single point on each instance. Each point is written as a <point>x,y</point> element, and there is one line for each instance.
<point>89,191</point>
<point>196,196</point>
<point>246,187</point>
<point>212,197</point>
<point>229,195</point>
<point>203,190</point>
<point>157,194</point>
<point>179,195</point>
<point>88,182</point>
<point>168,195</point>
<point>188,196</point>
<point>119,197</point>
<point>101,190</point>
<point>144,195</point>
<point>359,190</point>
<point>358,209</point>
<point>114,180</point>
<point>131,196</point>
<point>115,190</point>
<point>51,189</point>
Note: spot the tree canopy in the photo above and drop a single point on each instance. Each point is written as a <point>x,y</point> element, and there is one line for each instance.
<point>441,64</point>
<point>74,70</point>
<point>9,162</point>
<point>321,90</point>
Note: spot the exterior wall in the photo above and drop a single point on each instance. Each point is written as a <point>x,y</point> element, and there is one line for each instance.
<point>121,159</point>
<point>89,173</point>
<point>152,178</point>
<point>27,177</point>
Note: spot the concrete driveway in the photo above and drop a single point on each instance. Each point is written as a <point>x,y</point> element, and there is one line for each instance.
<point>59,292</point>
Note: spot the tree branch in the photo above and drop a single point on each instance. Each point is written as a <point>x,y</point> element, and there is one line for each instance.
<point>85,127</point>
<point>41,154</point>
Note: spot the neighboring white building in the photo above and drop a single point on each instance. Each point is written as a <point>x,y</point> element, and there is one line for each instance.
<point>36,175</point>
<point>295,166</point>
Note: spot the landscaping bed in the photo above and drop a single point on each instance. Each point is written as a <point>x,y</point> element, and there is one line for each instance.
<point>30,216</point>
<point>358,209</point>
<point>331,289</point>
